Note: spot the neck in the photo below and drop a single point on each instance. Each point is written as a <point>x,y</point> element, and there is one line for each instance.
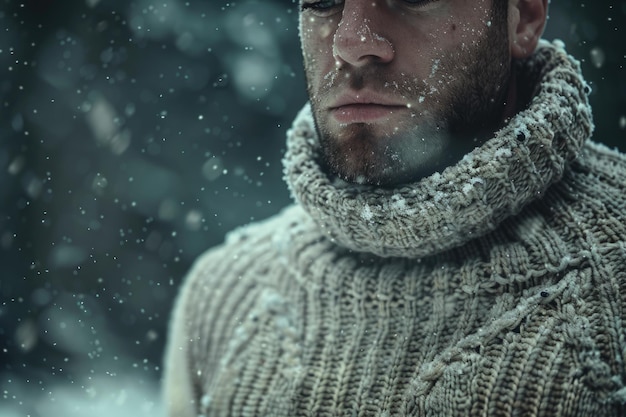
<point>510,104</point>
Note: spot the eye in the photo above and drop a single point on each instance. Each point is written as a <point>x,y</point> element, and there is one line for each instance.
<point>321,7</point>
<point>417,3</point>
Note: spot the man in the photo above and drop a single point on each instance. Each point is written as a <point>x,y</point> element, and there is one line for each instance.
<point>457,246</point>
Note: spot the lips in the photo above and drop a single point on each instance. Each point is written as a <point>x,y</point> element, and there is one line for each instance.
<point>364,108</point>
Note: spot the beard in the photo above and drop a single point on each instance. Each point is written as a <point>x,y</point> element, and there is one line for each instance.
<point>460,104</point>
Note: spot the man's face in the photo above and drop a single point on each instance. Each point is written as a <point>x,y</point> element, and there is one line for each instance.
<point>403,88</point>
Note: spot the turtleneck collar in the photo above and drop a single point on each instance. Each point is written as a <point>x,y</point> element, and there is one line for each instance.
<point>466,200</point>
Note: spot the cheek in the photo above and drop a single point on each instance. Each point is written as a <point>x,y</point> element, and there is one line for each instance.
<point>316,31</point>
<point>316,34</point>
<point>316,37</point>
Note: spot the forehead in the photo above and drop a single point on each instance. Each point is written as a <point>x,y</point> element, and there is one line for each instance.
<point>396,13</point>
<point>416,6</point>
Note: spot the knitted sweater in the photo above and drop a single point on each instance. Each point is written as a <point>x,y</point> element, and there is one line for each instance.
<point>494,288</point>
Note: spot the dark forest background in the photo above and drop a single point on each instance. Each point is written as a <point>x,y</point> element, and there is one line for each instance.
<point>133,136</point>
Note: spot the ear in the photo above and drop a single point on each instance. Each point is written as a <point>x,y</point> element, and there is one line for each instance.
<point>527,19</point>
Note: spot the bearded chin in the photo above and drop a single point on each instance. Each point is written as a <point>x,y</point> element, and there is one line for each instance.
<point>361,153</point>
<point>438,134</point>
<point>357,154</point>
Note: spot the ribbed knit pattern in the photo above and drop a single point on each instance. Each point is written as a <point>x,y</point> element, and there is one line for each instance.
<point>499,291</point>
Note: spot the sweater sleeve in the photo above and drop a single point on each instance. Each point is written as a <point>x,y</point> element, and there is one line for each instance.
<point>177,382</point>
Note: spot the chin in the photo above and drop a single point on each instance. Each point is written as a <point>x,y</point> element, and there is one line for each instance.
<point>364,158</point>
<point>386,172</point>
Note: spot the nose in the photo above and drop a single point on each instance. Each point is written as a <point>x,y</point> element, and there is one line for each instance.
<point>357,41</point>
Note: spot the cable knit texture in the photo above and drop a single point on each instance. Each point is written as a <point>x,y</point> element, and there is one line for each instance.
<point>495,288</point>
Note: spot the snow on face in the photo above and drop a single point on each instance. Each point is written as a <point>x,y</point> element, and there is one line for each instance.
<point>399,91</point>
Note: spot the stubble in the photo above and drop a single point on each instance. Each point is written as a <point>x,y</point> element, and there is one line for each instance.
<point>462,102</point>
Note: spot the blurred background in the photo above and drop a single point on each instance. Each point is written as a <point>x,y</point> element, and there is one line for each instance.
<point>133,136</point>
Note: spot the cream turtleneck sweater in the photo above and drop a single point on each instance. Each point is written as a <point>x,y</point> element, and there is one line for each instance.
<point>494,288</point>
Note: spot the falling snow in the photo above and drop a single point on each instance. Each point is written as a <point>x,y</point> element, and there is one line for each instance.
<point>136,134</point>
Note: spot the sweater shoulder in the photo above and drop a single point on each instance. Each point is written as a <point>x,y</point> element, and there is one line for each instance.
<point>586,210</point>
<point>605,165</point>
<point>229,290</point>
<point>251,254</point>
